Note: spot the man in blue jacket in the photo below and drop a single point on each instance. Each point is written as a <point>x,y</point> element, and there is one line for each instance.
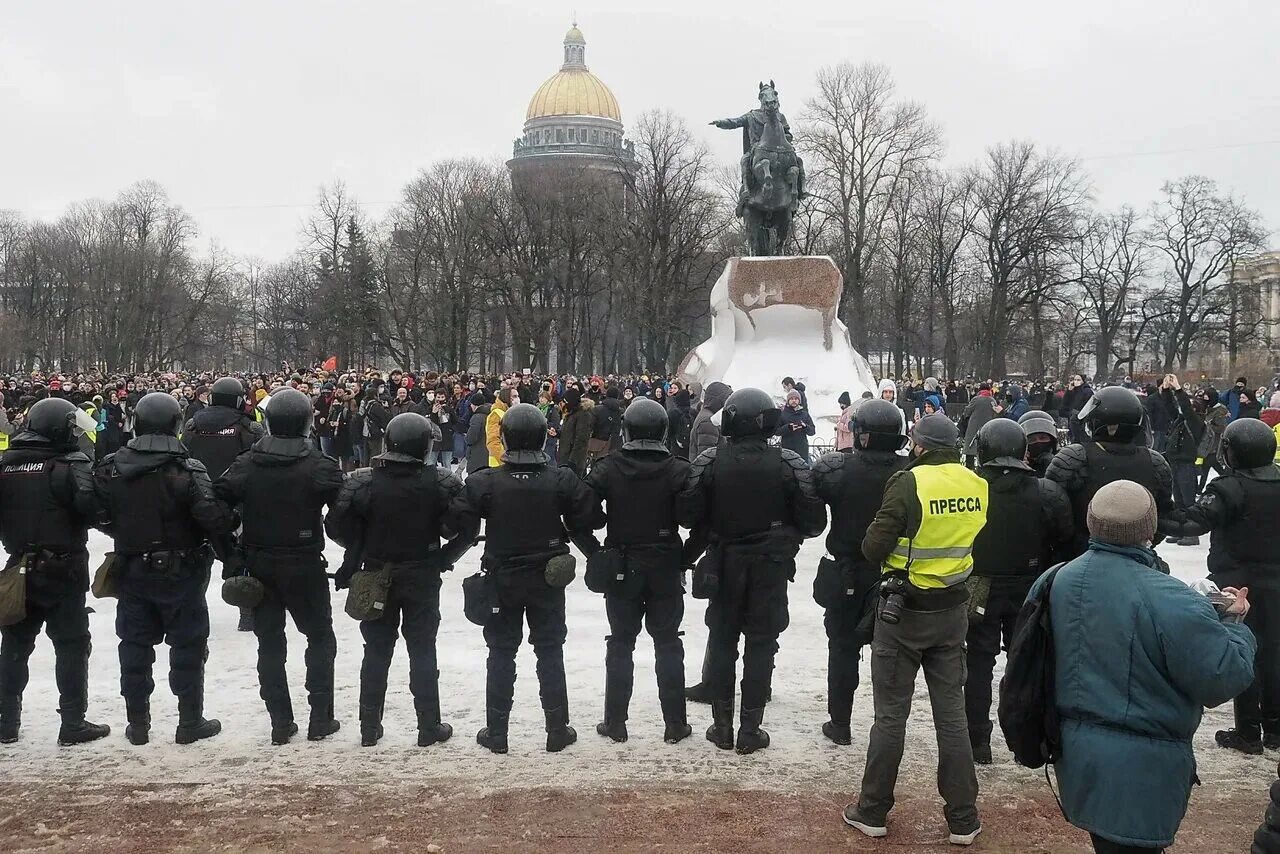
<point>1138,656</point>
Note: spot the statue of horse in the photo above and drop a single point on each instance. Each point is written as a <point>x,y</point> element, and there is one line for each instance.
<point>772,180</point>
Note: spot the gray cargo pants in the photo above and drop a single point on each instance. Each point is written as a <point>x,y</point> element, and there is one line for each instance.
<point>934,639</point>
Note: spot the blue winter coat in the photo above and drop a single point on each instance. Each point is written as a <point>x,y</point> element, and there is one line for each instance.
<point>1231,400</point>
<point>1138,656</point>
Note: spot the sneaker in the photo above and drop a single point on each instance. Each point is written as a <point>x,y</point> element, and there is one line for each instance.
<point>864,825</point>
<point>982,754</point>
<point>962,837</point>
<point>1233,739</point>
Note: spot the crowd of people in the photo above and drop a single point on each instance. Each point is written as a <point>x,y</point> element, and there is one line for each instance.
<point>946,505</point>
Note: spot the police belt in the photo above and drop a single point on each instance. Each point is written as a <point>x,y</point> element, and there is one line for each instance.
<point>171,561</point>
<point>38,559</point>
<point>375,565</point>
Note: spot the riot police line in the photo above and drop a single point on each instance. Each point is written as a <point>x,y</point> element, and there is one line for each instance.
<point>928,563</point>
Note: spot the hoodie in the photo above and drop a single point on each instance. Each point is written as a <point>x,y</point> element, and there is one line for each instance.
<point>889,385</point>
<point>705,433</point>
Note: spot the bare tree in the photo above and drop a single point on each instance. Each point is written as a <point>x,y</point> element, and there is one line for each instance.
<point>861,146</point>
<point>1110,261</point>
<point>1026,206</point>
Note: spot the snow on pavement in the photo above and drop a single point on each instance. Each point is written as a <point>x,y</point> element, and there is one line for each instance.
<point>799,760</point>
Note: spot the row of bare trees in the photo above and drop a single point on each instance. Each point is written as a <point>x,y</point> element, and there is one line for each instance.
<point>1004,265</point>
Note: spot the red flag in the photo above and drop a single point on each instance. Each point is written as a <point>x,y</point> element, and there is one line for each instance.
<point>330,364</point>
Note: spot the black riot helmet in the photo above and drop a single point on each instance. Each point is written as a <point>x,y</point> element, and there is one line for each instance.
<point>1038,421</point>
<point>1113,414</point>
<point>228,392</point>
<point>288,414</point>
<point>1248,443</point>
<point>749,413</point>
<point>524,435</point>
<point>157,413</point>
<point>54,419</point>
<point>877,424</point>
<point>408,434</point>
<point>1002,443</point>
<point>644,426</point>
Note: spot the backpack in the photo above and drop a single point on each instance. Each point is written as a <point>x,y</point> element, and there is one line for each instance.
<point>1028,712</point>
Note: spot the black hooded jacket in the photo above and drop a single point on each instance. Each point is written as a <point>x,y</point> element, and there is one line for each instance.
<point>157,498</point>
<point>219,434</point>
<point>638,489</point>
<point>280,488</point>
<point>47,498</point>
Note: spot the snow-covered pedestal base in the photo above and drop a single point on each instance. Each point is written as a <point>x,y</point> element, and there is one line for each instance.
<point>778,317</point>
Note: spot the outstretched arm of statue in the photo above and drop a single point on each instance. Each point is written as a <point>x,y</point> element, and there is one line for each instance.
<point>730,124</point>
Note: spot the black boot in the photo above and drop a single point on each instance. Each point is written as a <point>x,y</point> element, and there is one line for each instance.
<point>430,729</point>
<point>193,726</point>
<point>720,733</point>
<point>677,723</point>
<point>246,620</point>
<point>839,733</point>
<point>139,729</point>
<point>321,725</point>
<point>701,693</point>
<point>10,718</point>
<point>750,737</point>
<point>494,736</point>
<point>615,731</point>
<point>370,725</point>
<point>617,696</point>
<point>283,727</point>
<point>76,730</point>
<point>559,734</point>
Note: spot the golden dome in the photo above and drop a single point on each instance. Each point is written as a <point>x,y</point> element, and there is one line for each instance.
<point>574,92</point>
<point>575,35</point>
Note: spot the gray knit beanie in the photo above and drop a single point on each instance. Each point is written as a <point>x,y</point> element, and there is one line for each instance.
<point>1123,513</point>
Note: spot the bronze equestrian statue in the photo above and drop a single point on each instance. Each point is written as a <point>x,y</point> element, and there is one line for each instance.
<point>772,174</point>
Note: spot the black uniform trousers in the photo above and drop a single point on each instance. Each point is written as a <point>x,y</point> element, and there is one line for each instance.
<point>984,639</point>
<point>523,594</point>
<point>1258,708</point>
<point>294,584</point>
<point>844,651</point>
<point>751,602</point>
<point>652,592</point>
<point>163,606</point>
<point>55,603</point>
<point>413,610</point>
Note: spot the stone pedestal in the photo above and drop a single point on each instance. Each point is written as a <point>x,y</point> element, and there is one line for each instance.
<point>778,317</point>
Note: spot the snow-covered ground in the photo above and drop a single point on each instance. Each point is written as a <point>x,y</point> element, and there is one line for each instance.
<point>799,760</point>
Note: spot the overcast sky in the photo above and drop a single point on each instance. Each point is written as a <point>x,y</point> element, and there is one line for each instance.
<point>242,109</point>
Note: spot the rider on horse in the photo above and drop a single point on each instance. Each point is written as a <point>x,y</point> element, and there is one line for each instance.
<point>753,124</point>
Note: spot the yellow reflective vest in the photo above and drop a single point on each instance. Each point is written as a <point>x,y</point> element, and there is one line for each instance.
<point>953,509</point>
<point>4,441</point>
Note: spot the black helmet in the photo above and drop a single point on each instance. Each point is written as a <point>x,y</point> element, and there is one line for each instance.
<point>410,435</point>
<point>1113,414</point>
<point>1002,443</point>
<point>524,435</point>
<point>227,391</point>
<point>1038,421</point>
<point>1248,443</point>
<point>880,422</point>
<point>288,414</point>
<point>157,413</point>
<point>54,419</point>
<point>749,412</point>
<point>243,591</point>
<point>644,426</point>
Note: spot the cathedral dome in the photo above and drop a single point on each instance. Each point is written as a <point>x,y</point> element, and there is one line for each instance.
<point>574,90</point>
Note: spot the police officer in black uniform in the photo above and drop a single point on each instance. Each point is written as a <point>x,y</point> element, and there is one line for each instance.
<point>639,485</point>
<point>391,516</point>
<point>219,433</point>
<point>47,504</point>
<point>1113,421</point>
<point>1029,528</point>
<point>531,509</point>
<point>1239,510</point>
<point>852,484</point>
<point>754,504</point>
<point>280,487</point>
<point>164,518</point>
<point>1042,439</point>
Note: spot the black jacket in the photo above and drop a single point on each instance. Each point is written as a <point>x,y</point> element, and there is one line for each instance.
<point>47,497</point>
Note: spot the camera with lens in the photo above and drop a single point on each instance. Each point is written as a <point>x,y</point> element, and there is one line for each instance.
<point>891,590</point>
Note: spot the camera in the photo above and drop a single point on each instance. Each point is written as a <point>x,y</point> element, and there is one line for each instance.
<point>891,590</point>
